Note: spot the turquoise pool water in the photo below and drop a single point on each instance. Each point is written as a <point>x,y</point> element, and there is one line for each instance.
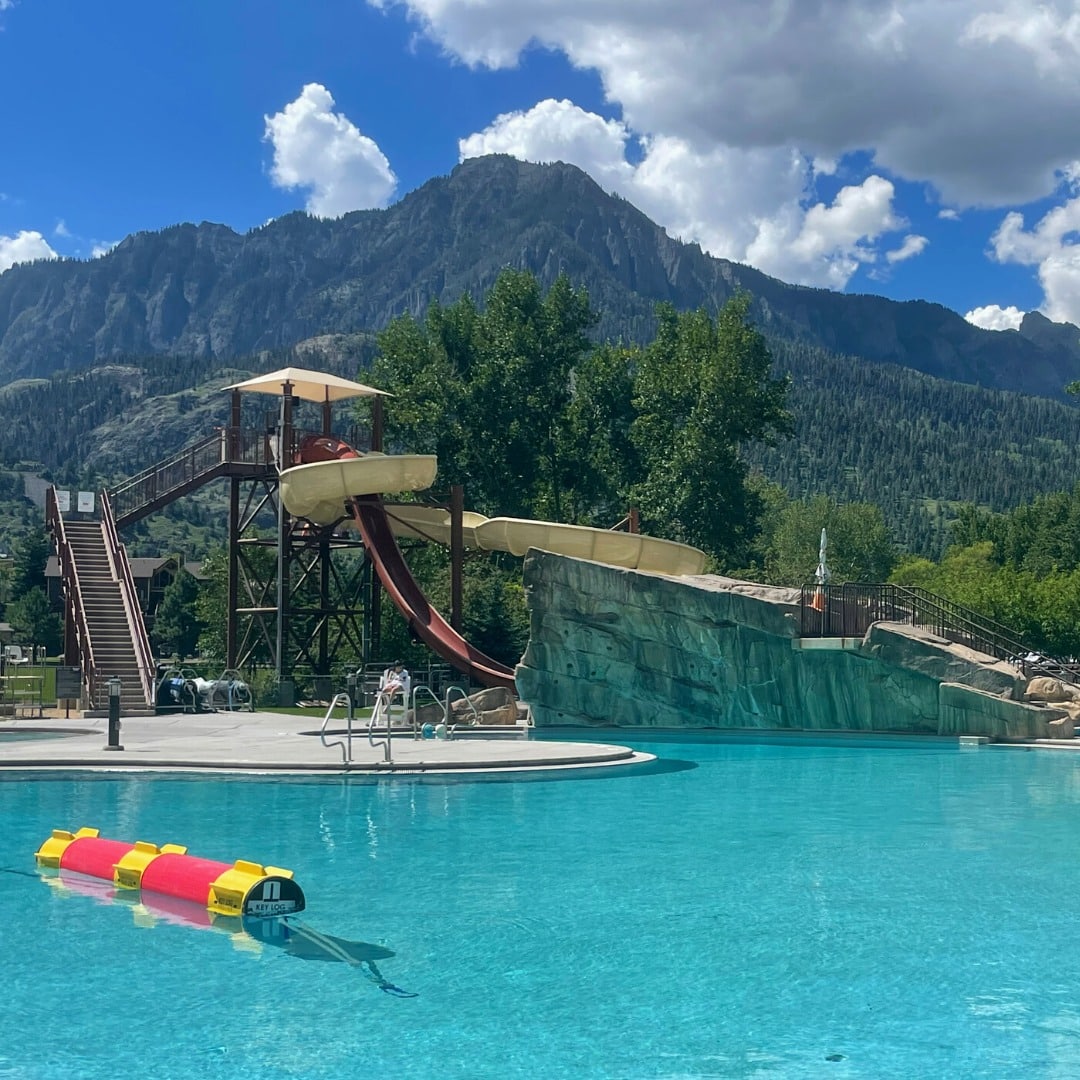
<point>773,911</point>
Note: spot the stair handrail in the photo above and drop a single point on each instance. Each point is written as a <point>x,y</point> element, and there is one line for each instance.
<point>861,605</point>
<point>121,571</point>
<point>382,703</point>
<point>54,522</point>
<point>192,461</point>
<point>995,638</point>
<point>226,446</point>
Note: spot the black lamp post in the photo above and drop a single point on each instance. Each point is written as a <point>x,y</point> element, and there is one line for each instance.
<point>114,714</point>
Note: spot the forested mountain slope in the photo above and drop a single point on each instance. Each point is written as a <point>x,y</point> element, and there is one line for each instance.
<point>914,444</point>
<point>207,291</point>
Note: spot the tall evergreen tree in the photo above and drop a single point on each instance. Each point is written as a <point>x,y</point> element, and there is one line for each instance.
<point>177,625</point>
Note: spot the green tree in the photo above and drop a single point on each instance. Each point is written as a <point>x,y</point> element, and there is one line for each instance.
<point>970,577</point>
<point>488,391</point>
<point>31,552</point>
<point>704,388</point>
<point>860,548</point>
<point>212,605</point>
<point>600,416</point>
<point>34,623</point>
<point>176,624</point>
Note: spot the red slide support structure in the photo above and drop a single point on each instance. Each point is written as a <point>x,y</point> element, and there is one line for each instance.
<point>428,625</point>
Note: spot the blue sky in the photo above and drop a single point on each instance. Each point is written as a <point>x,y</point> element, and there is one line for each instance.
<point>903,147</point>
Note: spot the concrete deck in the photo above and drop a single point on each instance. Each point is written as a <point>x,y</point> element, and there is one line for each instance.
<point>264,742</point>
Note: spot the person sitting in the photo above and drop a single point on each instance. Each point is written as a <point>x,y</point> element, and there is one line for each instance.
<point>394,683</point>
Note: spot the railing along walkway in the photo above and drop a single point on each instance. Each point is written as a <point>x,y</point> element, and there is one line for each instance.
<point>121,570</point>
<point>76,625</point>
<point>227,451</point>
<point>850,610</point>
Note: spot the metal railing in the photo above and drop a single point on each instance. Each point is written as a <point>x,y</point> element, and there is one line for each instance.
<point>54,521</point>
<point>382,704</point>
<point>346,747</point>
<point>121,571</point>
<point>417,691</point>
<point>850,610</point>
<point>450,691</point>
<point>227,446</point>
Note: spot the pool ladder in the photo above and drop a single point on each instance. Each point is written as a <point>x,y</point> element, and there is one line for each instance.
<point>382,707</point>
<point>444,705</point>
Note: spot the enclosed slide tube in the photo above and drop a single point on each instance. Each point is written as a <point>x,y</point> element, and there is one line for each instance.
<point>240,888</point>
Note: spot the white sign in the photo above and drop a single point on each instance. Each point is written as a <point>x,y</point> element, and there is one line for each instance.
<point>85,504</point>
<point>63,501</point>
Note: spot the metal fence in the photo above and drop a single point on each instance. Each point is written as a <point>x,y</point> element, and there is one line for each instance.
<point>850,610</point>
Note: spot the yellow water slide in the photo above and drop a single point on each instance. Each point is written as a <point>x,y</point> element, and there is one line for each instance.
<point>319,491</point>
<point>517,535</point>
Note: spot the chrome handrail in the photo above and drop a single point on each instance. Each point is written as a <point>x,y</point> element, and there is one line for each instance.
<point>229,677</point>
<point>346,748</point>
<point>382,701</point>
<point>431,694</point>
<point>468,701</point>
<point>186,676</point>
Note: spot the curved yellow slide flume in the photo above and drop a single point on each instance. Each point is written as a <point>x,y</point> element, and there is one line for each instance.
<point>517,535</point>
<point>318,491</point>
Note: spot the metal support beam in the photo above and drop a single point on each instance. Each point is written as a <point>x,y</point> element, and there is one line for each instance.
<point>457,553</point>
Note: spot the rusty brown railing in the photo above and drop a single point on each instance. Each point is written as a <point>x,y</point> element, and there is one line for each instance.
<point>202,461</point>
<point>54,521</point>
<point>121,571</point>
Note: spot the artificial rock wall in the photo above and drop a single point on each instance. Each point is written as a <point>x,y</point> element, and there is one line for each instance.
<point>618,647</point>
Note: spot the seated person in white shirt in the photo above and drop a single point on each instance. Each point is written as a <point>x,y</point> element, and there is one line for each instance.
<point>394,683</point>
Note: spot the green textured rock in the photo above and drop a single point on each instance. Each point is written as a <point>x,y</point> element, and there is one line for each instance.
<point>616,647</point>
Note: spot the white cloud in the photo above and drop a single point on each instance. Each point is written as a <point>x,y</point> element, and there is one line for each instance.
<point>323,151</point>
<point>913,245</point>
<point>558,131</point>
<point>745,205</point>
<point>1049,34</point>
<point>62,230</point>
<point>102,247</point>
<point>23,247</point>
<point>929,88</point>
<point>949,214</point>
<point>995,317</point>
<point>1053,246</point>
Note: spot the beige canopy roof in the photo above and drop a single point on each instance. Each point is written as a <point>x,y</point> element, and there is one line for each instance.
<point>309,385</point>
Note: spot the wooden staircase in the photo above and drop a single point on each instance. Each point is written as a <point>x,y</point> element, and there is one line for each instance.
<point>106,619</point>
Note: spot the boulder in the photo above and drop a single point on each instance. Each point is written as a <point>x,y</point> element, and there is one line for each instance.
<point>1065,728</point>
<point>504,715</point>
<point>496,705</point>
<point>1044,688</point>
<point>496,697</point>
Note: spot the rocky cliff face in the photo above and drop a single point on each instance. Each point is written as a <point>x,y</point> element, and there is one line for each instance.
<point>205,290</point>
<point>617,647</point>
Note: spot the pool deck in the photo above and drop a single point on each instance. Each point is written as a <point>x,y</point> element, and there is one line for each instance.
<point>263,742</point>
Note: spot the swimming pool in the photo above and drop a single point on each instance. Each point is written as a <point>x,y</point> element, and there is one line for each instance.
<point>776,911</point>
<point>32,734</point>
